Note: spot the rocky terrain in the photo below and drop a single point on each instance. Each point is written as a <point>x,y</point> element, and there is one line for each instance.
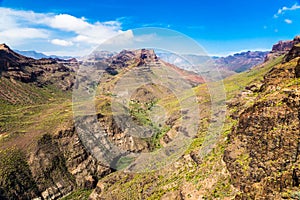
<point>43,152</point>
<point>41,155</point>
<point>262,155</point>
<point>39,72</point>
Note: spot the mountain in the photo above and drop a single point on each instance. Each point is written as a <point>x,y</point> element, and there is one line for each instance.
<point>40,72</point>
<point>262,155</point>
<point>46,154</point>
<point>282,47</point>
<point>259,144</point>
<point>32,54</point>
<point>240,62</point>
<point>229,65</point>
<point>41,153</point>
<point>37,55</point>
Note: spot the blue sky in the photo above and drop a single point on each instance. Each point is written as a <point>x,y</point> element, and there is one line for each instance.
<point>74,27</point>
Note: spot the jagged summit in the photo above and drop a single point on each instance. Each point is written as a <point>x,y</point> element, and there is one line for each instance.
<point>145,54</point>
<point>282,47</point>
<point>3,46</point>
<point>147,58</point>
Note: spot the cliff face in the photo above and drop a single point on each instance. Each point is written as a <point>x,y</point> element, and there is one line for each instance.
<point>263,154</point>
<point>56,166</point>
<point>60,164</point>
<point>282,47</point>
<point>41,155</point>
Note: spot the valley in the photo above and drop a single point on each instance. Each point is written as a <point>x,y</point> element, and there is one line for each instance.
<point>46,151</point>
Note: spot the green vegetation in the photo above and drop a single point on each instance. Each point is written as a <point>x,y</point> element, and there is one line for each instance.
<point>15,175</point>
<point>81,194</point>
<point>123,162</point>
<point>48,109</point>
<point>140,112</point>
<point>237,82</point>
<point>208,177</point>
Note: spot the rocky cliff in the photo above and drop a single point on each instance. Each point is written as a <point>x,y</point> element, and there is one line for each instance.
<point>263,151</point>
<point>282,47</point>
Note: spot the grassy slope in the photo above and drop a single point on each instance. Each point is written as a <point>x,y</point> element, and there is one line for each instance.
<point>27,113</point>
<point>207,179</point>
<point>32,113</point>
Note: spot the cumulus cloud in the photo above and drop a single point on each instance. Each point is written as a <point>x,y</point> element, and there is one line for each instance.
<point>284,8</point>
<point>288,21</point>
<point>24,33</point>
<point>60,42</point>
<point>24,26</point>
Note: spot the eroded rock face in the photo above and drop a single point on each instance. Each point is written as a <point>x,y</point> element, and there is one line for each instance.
<point>41,72</point>
<point>282,47</point>
<point>297,70</point>
<point>263,154</point>
<point>60,164</point>
<point>293,53</point>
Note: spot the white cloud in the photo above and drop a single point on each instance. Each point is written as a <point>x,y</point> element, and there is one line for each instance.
<point>26,26</point>
<point>67,22</point>
<point>24,33</point>
<point>60,42</point>
<point>17,36</point>
<point>282,10</point>
<point>288,21</point>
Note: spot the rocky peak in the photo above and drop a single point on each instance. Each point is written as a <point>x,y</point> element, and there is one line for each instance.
<point>4,47</point>
<point>40,72</point>
<point>128,57</point>
<point>287,45</point>
<point>143,54</point>
<point>283,47</point>
<point>146,54</point>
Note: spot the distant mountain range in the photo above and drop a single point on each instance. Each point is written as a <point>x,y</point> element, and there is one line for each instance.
<point>235,63</point>
<point>38,55</point>
<point>238,62</point>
